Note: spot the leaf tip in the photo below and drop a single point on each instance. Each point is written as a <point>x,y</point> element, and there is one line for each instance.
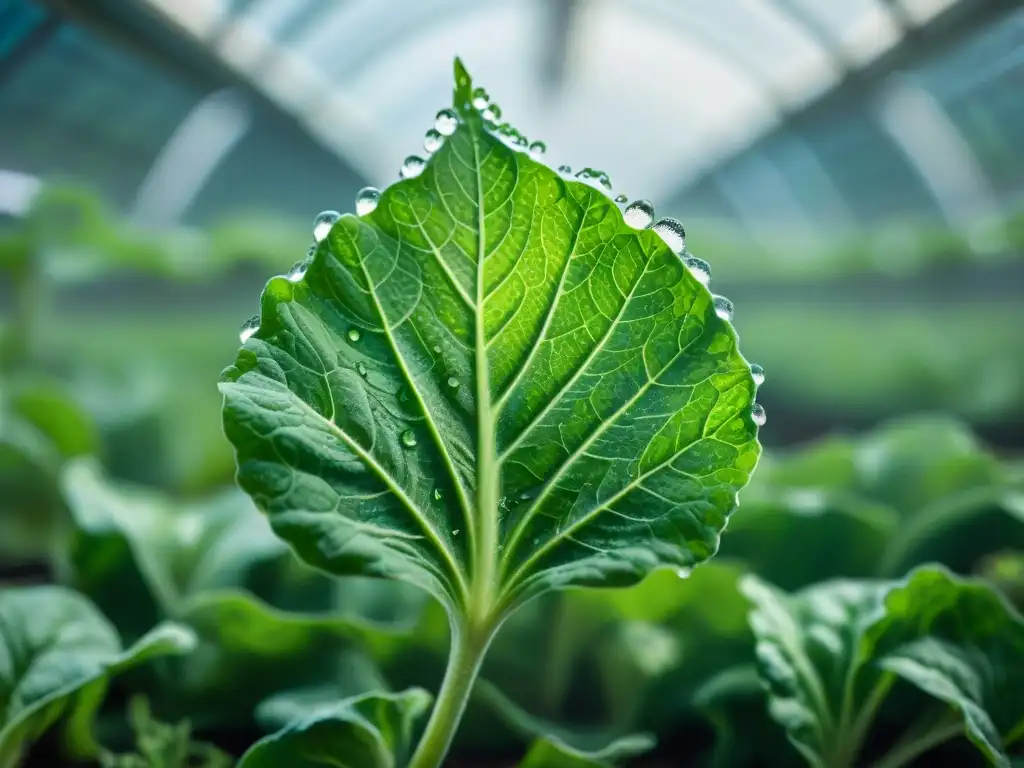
<point>463,92</point>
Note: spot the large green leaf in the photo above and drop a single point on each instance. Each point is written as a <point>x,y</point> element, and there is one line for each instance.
<point>210,564</point>
<point>960,642</point>
<point>492,386</point>
<point>56,655</point>
<point>369,731</point>
<point>830,653</point>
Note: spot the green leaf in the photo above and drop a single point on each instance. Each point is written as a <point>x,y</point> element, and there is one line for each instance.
<point>1006,571</point>
<point>57,654</point>
<point>556,746</point>
<point>910,463</point>
<point>959,641</point>
<point>144,553</point>
<point>830,653</point>
<point>551,753</point>
<point>492,386</point>
<point>834,533</point>
<point>733,700</point>
<point>368,731</point>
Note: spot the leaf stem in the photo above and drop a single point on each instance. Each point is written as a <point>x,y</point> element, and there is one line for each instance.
<point>912,745</point>
<point>469,645</point>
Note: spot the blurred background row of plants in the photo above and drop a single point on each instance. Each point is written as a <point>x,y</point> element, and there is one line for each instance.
<point>159,161</point>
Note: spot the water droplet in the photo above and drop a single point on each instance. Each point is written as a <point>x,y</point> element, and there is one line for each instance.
<point>480,98</point>
<point>672,232</point>
<point>455,531</point>
<point>684,573</point>
<point>438,494</point>
<point>488,114</point>
<point>361,367</point>
<point>565,169</point>
<point>249,327</point>
<point>446,122</point>
<point>723,307</point>
<point>367,199</point>
<point>700,268</point>
<point>453,382</point>
<point>639,214</point>
<point>538,148</point>
<point>353,334</point>
<point>298,271</point>
<point>758,415</point>
<point>412,167</point>
<point>437,349</point>
<point>758,373</point>
<point>621,199</point>
<point>409,439</point>
<point>432,141</point>
<point>322,224</point>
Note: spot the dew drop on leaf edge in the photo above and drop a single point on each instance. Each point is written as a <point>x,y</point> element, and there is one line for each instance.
<point>673,233</point>
<point>298,271</point>
<point>700,269</point>
<point>412,167</point>
<point>621,199</point>
<point>367,199</point>
<point>432,141</point>
<point>323,223</point>
<point>446,122</point>
<point>639,214</point>
<point>249,327</point>
<point>353,334</point>
<point>758,415</point>
<point>684,573</point>
<point>723,307</point>
<point>409,439</point>
<point>757,372</point>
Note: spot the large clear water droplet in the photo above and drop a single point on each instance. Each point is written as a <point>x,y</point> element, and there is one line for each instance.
<point>639,214</point>
<point>538,148</point>
<point>446,122</point>
<point>758,415</point>
<point>249,327</point>
<point>672,232</point>
<point>322,224</point>
<point>412,167</point>
<point>298,271</point>
<point>757,372</point>
<point>432,141</point>
<point>723,307</point>
<point>700,269</point>
<point>354,335</point>
<point>367,199</point>
<point>409,439</point>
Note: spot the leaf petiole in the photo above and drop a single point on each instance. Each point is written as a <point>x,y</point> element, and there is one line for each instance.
<point>468,648</point>
<point>916,743</point>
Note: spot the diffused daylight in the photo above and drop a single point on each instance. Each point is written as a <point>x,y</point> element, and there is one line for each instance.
<point>516,383</point>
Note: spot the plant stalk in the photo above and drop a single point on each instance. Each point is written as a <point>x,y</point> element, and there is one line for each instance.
<point>469,645</point>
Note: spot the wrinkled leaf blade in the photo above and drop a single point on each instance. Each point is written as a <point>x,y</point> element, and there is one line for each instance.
<point>369,731</point>
<point>492,355</point>
<point>55,647</point>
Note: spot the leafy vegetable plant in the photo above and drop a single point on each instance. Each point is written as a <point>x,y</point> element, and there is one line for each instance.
<point>492,385</point>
